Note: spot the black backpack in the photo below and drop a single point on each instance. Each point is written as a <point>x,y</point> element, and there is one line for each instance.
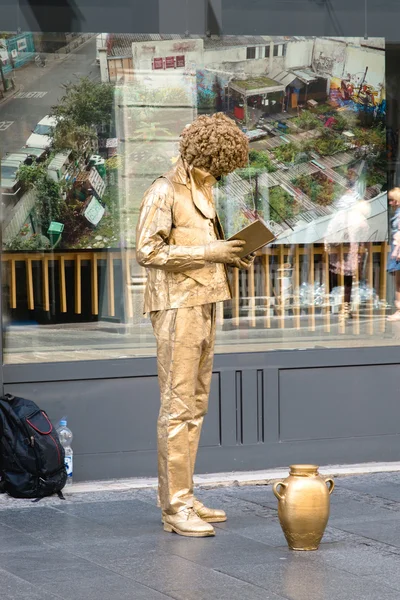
<point>31,455</point>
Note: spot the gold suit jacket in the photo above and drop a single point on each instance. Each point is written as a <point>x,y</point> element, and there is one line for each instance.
<point>177,220</point>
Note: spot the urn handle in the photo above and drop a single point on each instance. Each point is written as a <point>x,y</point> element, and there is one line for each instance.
<point>331,485</point>
<point>275,489</point>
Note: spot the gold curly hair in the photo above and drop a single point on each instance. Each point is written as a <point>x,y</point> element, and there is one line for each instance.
<point>214,144</point>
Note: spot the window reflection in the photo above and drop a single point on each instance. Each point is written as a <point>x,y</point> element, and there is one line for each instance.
<point>88,122</point>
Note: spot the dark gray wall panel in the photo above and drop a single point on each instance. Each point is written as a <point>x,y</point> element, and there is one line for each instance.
<point>320,452</point>
<point>250,393</point>
<point>243,17</point>
<point>266,410</point>
<point>105,415</point>
<point>228,408</point>
<point>293,17</point>
<point>140,367</point>
<point>311,17</point>
<point>113,421</point>
<point>339,402</point>
<point>179,16</point>
<point>211,434</point>
<point>125,16</point>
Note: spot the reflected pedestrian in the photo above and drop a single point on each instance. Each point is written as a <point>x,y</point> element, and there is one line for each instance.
<point>394,262</point>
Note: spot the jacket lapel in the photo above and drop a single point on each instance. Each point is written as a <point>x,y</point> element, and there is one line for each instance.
<point>184,176</point>
<point>201,202</point>
<point>219,228</point>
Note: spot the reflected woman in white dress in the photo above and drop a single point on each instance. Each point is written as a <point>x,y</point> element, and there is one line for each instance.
<point>349,226</point>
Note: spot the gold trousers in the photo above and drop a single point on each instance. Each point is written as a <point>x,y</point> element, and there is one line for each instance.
<point>185,352</point>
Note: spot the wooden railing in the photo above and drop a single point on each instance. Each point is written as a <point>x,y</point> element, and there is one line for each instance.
<point>259,295</point>
<point>61,261</point>
<point>274,261</point>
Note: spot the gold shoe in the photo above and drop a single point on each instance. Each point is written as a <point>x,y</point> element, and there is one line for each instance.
<point>186,522</point>
<point>210,515</point>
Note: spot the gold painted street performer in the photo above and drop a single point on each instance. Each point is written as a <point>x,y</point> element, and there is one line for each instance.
<point>180,242</point>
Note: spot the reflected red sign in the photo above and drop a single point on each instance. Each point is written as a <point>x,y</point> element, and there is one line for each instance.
<point>170,62</point>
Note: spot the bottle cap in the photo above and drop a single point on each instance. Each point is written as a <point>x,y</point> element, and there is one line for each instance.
<point>63,423</point>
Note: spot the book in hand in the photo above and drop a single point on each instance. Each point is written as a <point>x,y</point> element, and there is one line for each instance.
<point>256,235</point>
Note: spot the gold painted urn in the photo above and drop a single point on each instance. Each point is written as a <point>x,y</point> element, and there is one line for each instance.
<point>303,506</point>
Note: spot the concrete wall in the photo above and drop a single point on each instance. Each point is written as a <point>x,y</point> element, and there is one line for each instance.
<point>17,216</point>
<point>340,60</point>
<point>299,53</point>
<point>358,59</point>
<point>331,57</point>
<point>235,60</point>
<point>144,53</point>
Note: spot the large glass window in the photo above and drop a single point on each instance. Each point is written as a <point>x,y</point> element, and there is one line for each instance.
<point>89,121</point>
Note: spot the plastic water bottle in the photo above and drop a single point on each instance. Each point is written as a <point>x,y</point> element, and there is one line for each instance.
<point>66,437</point>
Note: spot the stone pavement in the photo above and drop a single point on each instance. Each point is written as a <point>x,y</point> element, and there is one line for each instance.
<point>111,546</point>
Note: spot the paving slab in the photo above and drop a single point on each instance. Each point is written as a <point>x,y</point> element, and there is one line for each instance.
<point>90,582</point>
<point>15,588</point>
<point>107,545</point>
<point>298,578</point>
<point>187,580</point>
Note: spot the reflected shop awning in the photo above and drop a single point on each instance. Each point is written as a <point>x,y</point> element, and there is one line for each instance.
<point>256,86</point>
<point>285,78</point>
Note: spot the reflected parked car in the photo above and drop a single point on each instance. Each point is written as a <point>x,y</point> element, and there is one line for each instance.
<point>33,154</point>
<point>10,185</point>
<point>41,135</point>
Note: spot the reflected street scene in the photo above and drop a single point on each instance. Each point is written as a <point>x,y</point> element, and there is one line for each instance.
<point>89,121</point>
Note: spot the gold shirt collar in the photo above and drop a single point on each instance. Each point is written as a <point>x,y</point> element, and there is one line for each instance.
<point>199,183</point>
<point>202,177</point>
<point>201,188</point>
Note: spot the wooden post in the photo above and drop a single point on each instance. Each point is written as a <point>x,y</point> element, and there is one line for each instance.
<point>29,284</point>
<point>78,284</point>
<point>267,290</point>
<point>311,281</point>
<point>342,325</point>
<point>252,300</point>
<point>63,287</point>
<point>280,283</point>
<point>327,311</point>
<point>45,283</point>
<point>126,270</point>
<point>13,284</point>
<point>296,283</point>
<point>110,284</point>
<point>356,313</point>
<point>245,110</point>
<point>235,299</point>
<point>370,283</point>
<point>94,285</point>
<point>383,284</point>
